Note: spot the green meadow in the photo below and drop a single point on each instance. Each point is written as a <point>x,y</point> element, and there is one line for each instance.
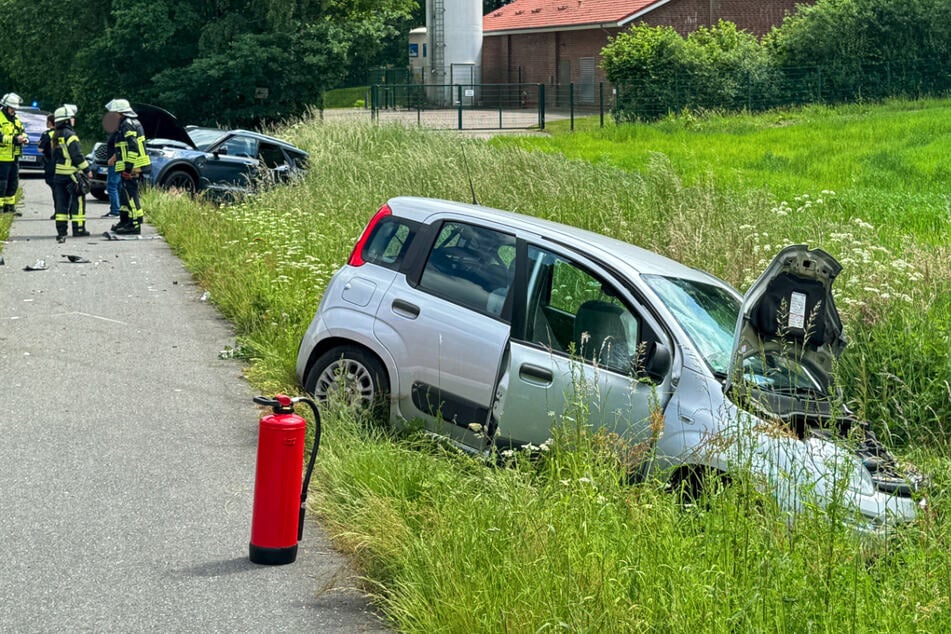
<point>561,542</point>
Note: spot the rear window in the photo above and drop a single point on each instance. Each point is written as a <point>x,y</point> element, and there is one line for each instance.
<point>389,242</point>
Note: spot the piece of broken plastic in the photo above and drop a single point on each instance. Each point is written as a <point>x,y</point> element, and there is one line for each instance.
<point>76,259</point>
<point>39,265</point>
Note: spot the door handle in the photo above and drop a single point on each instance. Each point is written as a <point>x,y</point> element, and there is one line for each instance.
<point>404,308</point>
<point>535,374</point>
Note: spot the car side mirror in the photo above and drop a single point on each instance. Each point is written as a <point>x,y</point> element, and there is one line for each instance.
<point>657,362</point>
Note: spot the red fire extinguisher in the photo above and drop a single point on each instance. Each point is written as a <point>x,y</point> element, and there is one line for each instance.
<point>277,522</point>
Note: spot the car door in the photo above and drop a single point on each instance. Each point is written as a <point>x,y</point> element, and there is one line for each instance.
<point>231,161</point>
<point>580,346</point>
<point>447,327</point>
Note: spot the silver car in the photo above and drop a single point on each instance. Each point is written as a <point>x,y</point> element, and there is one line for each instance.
<point>484,324</point>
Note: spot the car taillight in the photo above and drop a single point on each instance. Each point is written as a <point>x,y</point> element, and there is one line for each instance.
<point>356,257</point>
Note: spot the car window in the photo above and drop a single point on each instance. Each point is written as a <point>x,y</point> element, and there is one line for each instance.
<point>570,310</point>
<point>203,138</point>
<point>472,266</point>
<point>271,155</point>
<point>239,146</point>
<point>706,312</point>
<point>389,242</point>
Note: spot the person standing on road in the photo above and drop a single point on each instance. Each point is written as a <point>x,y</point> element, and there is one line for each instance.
<point>113,180</point>
<point>131,160</point>
<point>46,149</point>
<point>70,178</point>
<point>12,139</point>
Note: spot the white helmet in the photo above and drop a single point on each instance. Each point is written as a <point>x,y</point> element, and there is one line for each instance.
<point>64,113</point>
<point>121,106</point>
<point>11,100</point>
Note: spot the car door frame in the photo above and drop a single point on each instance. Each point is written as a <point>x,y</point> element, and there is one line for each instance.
<point>532,370</point>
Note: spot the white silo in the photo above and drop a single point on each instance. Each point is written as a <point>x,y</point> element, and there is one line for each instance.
<point>454,28</point>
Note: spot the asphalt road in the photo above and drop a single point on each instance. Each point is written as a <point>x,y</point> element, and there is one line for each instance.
<point>127,451</point>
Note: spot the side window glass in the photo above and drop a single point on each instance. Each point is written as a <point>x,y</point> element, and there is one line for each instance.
<point>472,266</point>
<point>389,242</point>
<point>570,310</point>
<point>271,156</point>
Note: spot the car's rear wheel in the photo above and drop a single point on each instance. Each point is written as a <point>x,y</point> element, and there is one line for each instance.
<point>180,180</point>
<point>99,194</point>
<point>351,376</point>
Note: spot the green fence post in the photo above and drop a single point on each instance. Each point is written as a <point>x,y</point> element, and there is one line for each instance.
<point>601,101</point>
<point>571,104</point>
<point>541,106</point>
<point>460,106</point>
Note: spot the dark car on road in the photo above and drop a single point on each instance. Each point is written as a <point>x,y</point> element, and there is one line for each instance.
<point>210,160</point>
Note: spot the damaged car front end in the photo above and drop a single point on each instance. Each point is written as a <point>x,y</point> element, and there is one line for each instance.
<point>782,417</point>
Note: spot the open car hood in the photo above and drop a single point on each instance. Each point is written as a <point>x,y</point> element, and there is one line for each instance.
<point>788,334</point>
<point>161,124</point>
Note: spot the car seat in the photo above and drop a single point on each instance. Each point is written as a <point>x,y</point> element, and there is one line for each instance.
<point>607,334</point>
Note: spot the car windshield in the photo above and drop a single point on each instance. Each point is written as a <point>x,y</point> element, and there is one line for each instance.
<point>203,138</point>
<point>706,312</point>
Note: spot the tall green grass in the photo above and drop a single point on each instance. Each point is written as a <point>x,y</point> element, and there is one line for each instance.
<point>447,543</point>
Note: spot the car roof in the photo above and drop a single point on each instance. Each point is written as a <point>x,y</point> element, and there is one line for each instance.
<point>614,252</point>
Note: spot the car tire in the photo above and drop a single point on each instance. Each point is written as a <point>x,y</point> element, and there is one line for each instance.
<point>361,376</point>
<point>99,194</point>
<point>180,180</point>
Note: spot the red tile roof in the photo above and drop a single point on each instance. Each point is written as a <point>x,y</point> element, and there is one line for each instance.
<point>547,14</point>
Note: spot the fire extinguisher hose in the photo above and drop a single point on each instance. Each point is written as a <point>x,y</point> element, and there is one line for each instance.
<point>310,463</point>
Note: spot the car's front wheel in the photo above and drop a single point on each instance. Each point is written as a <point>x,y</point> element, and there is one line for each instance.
<point>354,377</point>
<point>99,194</point>
<point>180,180</point>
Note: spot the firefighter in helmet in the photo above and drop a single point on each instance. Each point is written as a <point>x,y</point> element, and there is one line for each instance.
<point>131,161</point>
<point>70,175</point>
<point>12,139</point>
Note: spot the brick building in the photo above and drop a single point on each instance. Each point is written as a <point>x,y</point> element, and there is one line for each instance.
<point>557,42</point>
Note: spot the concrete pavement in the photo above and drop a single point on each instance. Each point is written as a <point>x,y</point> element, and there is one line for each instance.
<point>127,451</point>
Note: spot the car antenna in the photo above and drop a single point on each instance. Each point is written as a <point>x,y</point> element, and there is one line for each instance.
<point>465,162</point>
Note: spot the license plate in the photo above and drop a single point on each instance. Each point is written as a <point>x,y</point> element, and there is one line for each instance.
<point>29,158</point>
<point>102,170</point>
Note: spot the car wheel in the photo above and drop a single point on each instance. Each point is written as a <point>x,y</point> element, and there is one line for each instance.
<point>99,194</point>
<point>180,180</point>
<point>354,377</point>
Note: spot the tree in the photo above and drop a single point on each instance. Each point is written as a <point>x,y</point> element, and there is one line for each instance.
<point>232,62</point>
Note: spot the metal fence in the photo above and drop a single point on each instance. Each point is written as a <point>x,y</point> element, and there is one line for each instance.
<point>530,106</point>
<point>780,86</point>
<point>486,106</point>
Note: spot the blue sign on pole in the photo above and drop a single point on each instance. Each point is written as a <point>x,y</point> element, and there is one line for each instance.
<point>414,50</point>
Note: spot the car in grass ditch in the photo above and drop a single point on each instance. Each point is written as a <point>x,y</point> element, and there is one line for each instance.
<point>219,163</point>
<point>485,324</point>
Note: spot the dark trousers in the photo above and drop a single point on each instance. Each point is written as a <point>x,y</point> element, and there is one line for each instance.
<point>130,210</point>
<point>68,205</point>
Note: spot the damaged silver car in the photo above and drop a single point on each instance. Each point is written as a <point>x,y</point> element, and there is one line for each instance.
<point>484,324</point>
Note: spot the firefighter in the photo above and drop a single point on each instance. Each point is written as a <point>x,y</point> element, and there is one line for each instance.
<point>70,176</point>
<point>131,161</point>
<point>46,149</point>
<point>12,139</point>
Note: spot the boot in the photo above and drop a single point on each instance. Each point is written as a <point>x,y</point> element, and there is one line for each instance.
<point>79,232</point>
<point>129,230</point>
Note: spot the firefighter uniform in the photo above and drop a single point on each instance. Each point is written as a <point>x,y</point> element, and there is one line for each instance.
<point>131,162</point>
<point>12,139</point>
<point>69,175</point>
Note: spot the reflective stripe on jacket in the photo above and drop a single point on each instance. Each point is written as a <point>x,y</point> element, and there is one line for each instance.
<point>130,146</point>
<point>68,152</point>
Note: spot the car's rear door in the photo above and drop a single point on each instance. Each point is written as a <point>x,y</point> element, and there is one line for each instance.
<point>446,324</point>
